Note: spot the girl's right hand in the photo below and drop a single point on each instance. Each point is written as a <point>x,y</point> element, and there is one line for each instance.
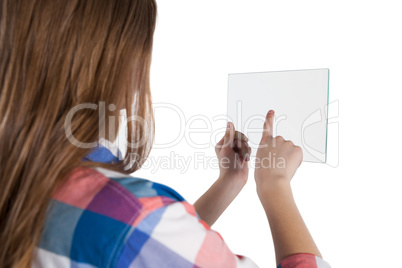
<point>277,159</point>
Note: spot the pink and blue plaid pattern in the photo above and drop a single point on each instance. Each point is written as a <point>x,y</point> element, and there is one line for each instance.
<point>101,218</point>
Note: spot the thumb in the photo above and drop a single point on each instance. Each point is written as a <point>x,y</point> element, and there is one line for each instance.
<point>229,135</point>
<point>268,125</point>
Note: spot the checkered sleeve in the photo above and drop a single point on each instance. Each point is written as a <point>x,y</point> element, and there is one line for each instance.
<point>303,260</point>
<point>174,236</point>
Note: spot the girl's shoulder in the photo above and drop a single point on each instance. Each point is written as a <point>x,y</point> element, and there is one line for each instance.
<point>94,212</point>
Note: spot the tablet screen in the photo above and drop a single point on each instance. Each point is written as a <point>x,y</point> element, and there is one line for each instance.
<point>299,99</point>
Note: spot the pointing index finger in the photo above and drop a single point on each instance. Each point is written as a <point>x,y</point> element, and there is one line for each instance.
<point>268,124</point>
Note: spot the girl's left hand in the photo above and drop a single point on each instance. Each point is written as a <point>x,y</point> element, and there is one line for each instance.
<point>233,153</point>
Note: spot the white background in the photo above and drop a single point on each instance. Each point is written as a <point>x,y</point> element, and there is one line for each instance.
<point>354,210</point>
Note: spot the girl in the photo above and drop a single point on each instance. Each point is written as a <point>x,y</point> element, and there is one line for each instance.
<point>67,69</point>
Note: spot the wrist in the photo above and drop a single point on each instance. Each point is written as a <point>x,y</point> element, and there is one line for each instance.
<point>235,180</point>
<point>270,189</point>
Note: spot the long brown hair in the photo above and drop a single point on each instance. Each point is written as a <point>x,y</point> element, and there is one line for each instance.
<point>55,55</point>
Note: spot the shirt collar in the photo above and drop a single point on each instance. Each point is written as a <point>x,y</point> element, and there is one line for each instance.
<point>103,154</point>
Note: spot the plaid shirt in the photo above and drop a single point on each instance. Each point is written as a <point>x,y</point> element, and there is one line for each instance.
<point>101,218</point>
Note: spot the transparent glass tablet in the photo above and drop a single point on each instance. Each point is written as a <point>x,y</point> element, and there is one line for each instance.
<point>299,98</point>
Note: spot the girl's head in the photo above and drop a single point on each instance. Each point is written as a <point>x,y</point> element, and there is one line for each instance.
<point>61,61</point>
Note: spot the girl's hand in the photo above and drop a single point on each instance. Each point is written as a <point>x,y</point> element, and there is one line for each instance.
<point>233,153</point>
<point>276,162</point>
<point>277,159</point>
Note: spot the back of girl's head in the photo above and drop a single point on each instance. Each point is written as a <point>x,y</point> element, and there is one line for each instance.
<point>59,56</point>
